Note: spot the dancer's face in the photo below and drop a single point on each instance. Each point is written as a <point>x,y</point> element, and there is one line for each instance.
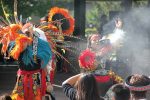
<point>94,42</point>
<point>95,45</point>
<point>28,29</point>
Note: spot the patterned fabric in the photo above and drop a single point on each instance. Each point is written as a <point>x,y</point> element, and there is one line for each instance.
<point>29,85</point>
<point>69,91</point>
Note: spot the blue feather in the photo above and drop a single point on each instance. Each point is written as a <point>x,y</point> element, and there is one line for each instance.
<point>43,53</point>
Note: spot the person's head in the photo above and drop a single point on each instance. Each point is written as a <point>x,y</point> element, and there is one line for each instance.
<point>93,41</point>
<point>28,29</point>
<point>87,88</point>
<point>5,97</point>
<point>119,23</point>
<point>139,85</point>
<point>44,19</point>
<point>120,92</point>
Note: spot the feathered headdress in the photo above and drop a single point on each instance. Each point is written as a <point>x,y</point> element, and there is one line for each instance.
<point>63,17</point>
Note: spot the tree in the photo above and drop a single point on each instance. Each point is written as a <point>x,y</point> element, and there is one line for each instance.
<point>98,9</point>
<point>38,8</point>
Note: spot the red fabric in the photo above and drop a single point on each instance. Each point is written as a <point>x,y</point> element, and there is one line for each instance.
<point>25,82</point>
<point>102,79</point>
<point>28,83</point>
<point>52,77</point>
<point>43,76</point>
<point>52,72</point>
<point>30,88</point>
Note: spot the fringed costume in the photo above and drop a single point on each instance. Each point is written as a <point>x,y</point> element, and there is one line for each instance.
<point>31,77</point>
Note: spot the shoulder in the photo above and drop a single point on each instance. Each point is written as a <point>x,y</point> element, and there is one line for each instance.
<point>69,91</point>
<point>41,33</point>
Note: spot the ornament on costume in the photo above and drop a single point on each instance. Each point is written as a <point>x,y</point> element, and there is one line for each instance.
<point>115,77</point>
<point>87,60</point>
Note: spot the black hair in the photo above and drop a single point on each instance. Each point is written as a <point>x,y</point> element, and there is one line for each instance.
<point>121,92</point>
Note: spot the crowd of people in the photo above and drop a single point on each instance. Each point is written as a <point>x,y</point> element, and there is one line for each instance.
<point>84,87</point>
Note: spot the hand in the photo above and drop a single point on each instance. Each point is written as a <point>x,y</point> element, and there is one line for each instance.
<point>49,87</point>
<point>118,23</point>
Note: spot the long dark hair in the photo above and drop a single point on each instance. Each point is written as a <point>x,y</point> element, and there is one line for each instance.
<point>87,88</point>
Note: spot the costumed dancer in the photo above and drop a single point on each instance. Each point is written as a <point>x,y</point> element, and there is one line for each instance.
<point>101,48</point>
<point>57,24</point>
<point>33,54</point>
<point>44,21</point>
<point>88,62</point>
<point>31,76</point>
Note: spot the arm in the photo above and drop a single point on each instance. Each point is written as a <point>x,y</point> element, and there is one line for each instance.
<point>68,88</point>
<point>72,80</point>
<point>47,71</point>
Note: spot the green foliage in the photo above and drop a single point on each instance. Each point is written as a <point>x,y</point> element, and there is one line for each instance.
<point>140,3</point>
<point>38,8</point>
<point>99,8</point>
<point>90,31</point>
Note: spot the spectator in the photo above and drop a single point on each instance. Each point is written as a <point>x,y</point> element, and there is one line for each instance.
<point>120,92</point>
<point>81,87</point>
<point>138,85</point>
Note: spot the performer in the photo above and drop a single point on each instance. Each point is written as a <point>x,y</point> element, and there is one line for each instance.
<point>94,58</point>
<point>32,59</point>
<point>59,24</point>
<point>89,62</point>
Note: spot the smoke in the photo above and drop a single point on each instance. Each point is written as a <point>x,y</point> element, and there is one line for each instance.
<point>137,40</point>
<point>136,48</point>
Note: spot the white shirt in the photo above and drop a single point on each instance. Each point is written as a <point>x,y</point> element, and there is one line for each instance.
<point>41,33</point>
